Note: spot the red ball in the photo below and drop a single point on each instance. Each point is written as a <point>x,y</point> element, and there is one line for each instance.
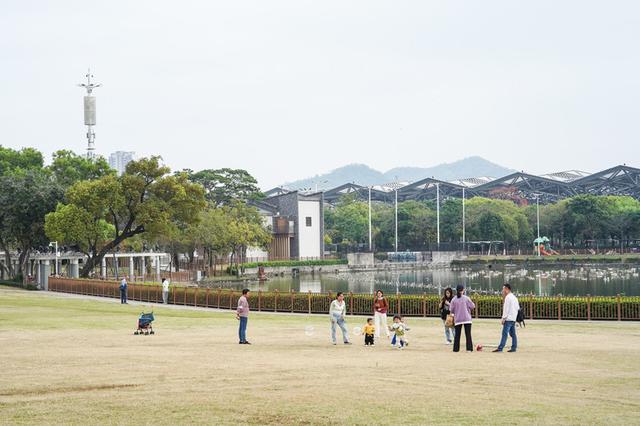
<point>479,348</point>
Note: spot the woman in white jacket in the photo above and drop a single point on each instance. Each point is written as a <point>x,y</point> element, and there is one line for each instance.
<point>337,312</point>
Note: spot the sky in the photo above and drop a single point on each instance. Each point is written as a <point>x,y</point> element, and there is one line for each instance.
<point>291,89</point>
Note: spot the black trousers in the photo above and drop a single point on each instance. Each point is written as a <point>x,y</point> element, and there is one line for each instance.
<point>467,336</point>
<point>368,339</point>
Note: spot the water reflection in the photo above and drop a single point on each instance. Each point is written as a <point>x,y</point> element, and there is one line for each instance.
<point>579,281</point>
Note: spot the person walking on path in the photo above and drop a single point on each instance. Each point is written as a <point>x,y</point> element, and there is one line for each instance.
<point>461,307</point>
<point>380,308</point>
<point>123,290</point>
<point>165,291</point>
<point>337,312</point>
<point>444,311</point>
<point>242,314</point>
<point>510,310</point>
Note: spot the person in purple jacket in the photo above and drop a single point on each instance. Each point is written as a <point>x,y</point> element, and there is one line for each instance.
<point>461,307</point>
<point>242,314</point>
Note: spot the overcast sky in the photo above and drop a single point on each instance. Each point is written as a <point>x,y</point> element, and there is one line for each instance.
<point>290,89</point>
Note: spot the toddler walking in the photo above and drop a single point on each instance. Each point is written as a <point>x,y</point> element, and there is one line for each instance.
<point>399,329</point>
<point>369,330</point>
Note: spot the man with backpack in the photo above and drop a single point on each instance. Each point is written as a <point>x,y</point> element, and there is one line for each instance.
<point>510,310</point>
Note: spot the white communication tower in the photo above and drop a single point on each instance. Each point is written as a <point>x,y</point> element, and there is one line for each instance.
<point>90,114</point>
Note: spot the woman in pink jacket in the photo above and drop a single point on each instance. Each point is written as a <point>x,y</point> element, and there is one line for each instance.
<point>461,307</point>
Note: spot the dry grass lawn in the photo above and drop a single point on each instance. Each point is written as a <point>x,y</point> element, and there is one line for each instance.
<point>74,360</point>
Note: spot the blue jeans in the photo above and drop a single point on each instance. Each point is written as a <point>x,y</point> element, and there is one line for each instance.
<point>242,330</point>
<point>509,329</point>
<point>338,320</point>
<point>449,333</point>
<point>123,296</point>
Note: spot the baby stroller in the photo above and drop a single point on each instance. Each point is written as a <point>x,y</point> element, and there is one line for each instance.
<point>144,324</point>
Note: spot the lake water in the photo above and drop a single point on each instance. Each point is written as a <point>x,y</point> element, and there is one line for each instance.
<point>571,281</point>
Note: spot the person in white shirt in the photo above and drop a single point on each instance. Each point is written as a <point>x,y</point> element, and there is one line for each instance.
<point>165,291</point>
<point>509,315</point>
<point>337,312</point>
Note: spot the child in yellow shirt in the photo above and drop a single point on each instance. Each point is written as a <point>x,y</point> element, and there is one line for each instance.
<point>368,330</point>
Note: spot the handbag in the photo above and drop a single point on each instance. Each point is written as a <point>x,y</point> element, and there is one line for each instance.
<point>450,323</point>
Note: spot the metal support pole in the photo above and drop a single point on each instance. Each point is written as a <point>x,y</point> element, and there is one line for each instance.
<point>396,221</point>
<point>370,242</point>
<point>538,221</point>
<point>463,223</point>
<point>438,212</point>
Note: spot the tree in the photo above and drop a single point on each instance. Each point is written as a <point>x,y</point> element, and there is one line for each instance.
<point>69,168</point>
<point>26,196</point>
<point>24,159</point>
<point>588,216</point>
<point>143,200</point>
<point>222,186</point>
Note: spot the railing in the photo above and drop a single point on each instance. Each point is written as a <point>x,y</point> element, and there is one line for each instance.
<point>426,305</point>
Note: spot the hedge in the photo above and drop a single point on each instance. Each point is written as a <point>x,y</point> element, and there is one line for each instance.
<point>425,305</point>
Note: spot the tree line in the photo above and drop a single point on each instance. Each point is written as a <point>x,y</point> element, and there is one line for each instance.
<point>84,205</point>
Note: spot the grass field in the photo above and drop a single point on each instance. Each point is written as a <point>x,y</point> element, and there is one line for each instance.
<point>72,360</point>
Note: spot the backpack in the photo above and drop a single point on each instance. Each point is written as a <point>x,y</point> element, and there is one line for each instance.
<point>520,318</point>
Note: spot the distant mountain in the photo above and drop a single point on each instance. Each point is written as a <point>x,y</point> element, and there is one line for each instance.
<point>365,175</point>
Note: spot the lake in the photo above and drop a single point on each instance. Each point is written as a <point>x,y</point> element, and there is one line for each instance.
<point>596,280</point>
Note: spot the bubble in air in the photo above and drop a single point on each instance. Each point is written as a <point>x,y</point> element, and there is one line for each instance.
<point>309,330</point>
<point>357,331</point>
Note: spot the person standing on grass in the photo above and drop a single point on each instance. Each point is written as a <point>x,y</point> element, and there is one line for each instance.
<point>165,291</point>
<point>123,290</point>
<point>337,313</point>
<point>461,307</point>
<point>380,308</point>
<point>510,310</point>
<point>242,314</point>
<point>444,311</point>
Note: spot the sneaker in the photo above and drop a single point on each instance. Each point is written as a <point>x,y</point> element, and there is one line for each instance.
<point>448,342</point>
<point>246,342</point>
<point>497,350</point>
<point>348,343</point>
<point>511,350</point>
<point>334,343</point>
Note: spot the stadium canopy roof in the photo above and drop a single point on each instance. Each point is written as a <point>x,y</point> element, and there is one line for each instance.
<point>520,187</point>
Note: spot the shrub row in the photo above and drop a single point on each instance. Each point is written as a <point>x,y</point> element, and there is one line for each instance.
<point>427,305</point>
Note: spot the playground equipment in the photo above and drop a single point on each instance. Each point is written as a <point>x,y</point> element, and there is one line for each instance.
<point>543,245</point>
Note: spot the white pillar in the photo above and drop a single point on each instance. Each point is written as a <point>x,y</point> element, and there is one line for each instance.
<point>157,268</point>
<point>45,269</point>
<point>144,268</point>
<point>103,268</point>
<point>36,265</point>
<point>132,269</point>
<point>74,269</point>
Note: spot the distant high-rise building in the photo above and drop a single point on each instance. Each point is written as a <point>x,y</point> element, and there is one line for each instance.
<point>119,160</point>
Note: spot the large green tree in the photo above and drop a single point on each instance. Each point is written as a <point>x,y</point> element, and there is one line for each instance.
<point>69,168</point>
<point>26,196</point>
<point>145,199</point>
<point>24,159</point>
<point>223,186</point>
